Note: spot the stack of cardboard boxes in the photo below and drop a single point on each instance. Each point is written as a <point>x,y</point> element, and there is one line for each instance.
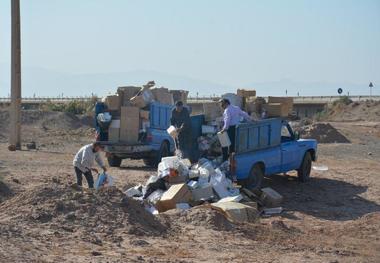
<point>276,106</point>
<point>279,106</point>
<point>130,109</point>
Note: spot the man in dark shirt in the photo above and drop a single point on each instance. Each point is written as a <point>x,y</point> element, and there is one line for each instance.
<point>181,120</point>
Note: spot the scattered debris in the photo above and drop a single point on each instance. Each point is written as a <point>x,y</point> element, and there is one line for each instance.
<point>237,212</point>
<point>272,211</point>
<point>320,167</point>
<point>270,197</point>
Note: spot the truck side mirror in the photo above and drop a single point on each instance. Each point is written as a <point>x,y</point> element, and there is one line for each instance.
<point>296,135</point>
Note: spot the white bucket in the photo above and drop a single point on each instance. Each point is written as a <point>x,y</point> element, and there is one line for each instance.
<point>224,139</point>
<point>172,131</point>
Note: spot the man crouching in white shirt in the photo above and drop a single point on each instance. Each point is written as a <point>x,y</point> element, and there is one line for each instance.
<point>84,161</point>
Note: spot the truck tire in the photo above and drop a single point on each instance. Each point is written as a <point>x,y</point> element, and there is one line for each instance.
<point>114,161</point>
<point>304,171</point>
<point>255,178</point>
<point>156,159</point>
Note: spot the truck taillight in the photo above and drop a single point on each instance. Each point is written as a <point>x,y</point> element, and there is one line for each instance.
<point>232,164</point>
<point>149,137</point>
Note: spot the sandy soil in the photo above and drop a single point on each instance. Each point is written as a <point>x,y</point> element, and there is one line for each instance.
<point>333,218</point>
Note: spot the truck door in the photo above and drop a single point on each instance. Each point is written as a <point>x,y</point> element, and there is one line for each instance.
<point>289,149</point>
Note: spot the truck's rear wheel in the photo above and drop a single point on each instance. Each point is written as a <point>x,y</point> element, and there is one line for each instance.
<point>304,171</point>
<point>114,161</point>
<point>255,178</point>
<point>156,158</point>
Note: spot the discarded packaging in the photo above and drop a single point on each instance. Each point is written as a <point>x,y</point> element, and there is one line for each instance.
<point>202,194</point>
<point>178,193</point>
<point>236,198</point>
<point>272,211</point>
<point>134,191</point>
<point>270,197</point>
<point>154,197</point>
<point>237,212</point>
<point>320,168</point>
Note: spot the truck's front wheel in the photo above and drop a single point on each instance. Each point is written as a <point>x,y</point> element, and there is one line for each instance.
<point>255,178</point>
<point>114,161</point>
<point>304,171</point>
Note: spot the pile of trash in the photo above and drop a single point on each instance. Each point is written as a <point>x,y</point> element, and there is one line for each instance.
<point>181,185</point>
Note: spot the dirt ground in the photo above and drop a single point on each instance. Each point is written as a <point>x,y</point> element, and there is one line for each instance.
<point>333,218</point>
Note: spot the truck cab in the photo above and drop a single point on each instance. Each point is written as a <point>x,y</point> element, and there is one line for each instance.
<point>268,147</point>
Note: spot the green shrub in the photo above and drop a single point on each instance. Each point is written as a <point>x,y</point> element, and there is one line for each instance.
<point>73,107</point>
<point>343,100</point>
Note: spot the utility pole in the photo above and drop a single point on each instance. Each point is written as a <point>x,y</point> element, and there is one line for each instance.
<point>15,136</point>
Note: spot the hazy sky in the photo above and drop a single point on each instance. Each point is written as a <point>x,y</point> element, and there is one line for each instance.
<point>232,42</point>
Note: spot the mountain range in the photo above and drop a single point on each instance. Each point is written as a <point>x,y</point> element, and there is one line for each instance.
<point>44,82</point>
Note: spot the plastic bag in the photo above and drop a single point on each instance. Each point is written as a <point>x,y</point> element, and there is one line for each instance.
<point>103,180</point>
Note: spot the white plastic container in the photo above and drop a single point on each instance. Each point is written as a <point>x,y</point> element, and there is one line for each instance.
<point>172,131</point>
<point>224,139</point>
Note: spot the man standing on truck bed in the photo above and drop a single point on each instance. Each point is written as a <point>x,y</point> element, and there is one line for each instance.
<point>231,116</point>
<point>84,161</point>
<point>181,120</point>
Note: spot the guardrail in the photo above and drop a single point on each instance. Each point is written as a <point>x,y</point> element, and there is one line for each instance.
<point>311,99</point>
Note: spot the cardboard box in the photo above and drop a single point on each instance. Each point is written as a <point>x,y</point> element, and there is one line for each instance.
<point>212,110</point>
<point>113,134</point>
<point>144,114</point>
<point>237,212</point>
<point>126,93</point>
<point>143,98</point>
<point>287,101</point>
<point>251,106</point>
<point>204,193</point>
<point>115,124</point>
<point>246,93</point>
<point>113,102</point>
<point>270,197</point>
<point>276,109</point>
<point>129,124</point>
<point>179,179</point>
<point>178,193</point>
<point>162,95</point>
<point>180,95</point>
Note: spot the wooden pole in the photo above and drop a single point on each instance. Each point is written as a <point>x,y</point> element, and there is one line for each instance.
<point>15,136</point>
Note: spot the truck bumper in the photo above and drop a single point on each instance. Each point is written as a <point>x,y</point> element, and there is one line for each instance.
<point>129,151</point>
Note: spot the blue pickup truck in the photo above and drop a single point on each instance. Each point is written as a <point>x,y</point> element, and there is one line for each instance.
<point>154,144</point>
<point>268,147</point>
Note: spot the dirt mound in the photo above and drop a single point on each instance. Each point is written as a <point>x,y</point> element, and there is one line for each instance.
<point>48,119</point>
<point>354,111</point>
<point>36,122</point>
<point>65,207</point>
<point>200,216</point>
<point>323,133</point>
